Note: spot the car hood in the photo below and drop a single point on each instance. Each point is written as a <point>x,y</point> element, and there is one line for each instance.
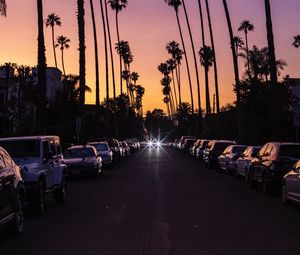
<point>29,163</point>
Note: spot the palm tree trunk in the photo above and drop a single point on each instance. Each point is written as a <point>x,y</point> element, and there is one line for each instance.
<point>53,44</point>
<point>236,70</point>
<point>214,56</point>
<point>118,36</point>
<point>111,52</point>
<point>248,59</point>
<point>174,88</point>
<point>62,61</point>
<point>106,55</point>
<point>208,107</point>
<point>187,62</point>
<point>194,54</point>
<point>42,77</point>
<point>179,83</point>
<point>96,56</point>
<point>272,56</point>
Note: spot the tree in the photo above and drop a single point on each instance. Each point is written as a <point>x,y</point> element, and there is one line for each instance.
<point>194,55</point>
<point>3,8</point>
<point>296,42</point>
<point>238,44</point>
<point>206,59</point>
<point>172,65</point>
<point>214,56</point>
<point>246,26</point>
<point>41,69</point>
<point>175,4</point>
<point>63,43</point>
<point>52,21</point>
<point>117,6</point>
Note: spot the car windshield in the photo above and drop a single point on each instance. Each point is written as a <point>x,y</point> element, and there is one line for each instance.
<point>22,149</point>
<point>79,153</point>
<point>292,151</point>
<point>100,146</point>
<point>238,149</point>
<point>255,151</point>
<point>204,144</point>
<point>221,146</point>
<point>129,143</point>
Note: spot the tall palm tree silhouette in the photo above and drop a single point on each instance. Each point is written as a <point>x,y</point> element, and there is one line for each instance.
<point>41,69</point>
<point>172,65</point>
<point>3,8</point>
<point>207,59</point>
<point>238,44</point>
<point>246,26</point>
<point>96,56</point>
<point>110,51</point>
<point>175,4</point>
<point>106,55</point>
<point>270,37</point>
<point>63,43</point>
<point>52,21</point>
<point>296,42</point>
<point>117,6</point>
<point>194,55</point>
<point>214,56</point>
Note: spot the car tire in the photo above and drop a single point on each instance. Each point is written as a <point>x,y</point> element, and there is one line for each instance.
<point>284,197</point>
<point>246,176</point>
<point>60,195</point>
<point>252,183</point>
<point>38,200</point>
<point>17,224</point>
<point>266,187</point>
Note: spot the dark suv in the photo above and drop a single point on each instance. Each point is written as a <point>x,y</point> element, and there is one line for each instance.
<point>214,150</point>
<point>12,194</point>
<point>273,161</point>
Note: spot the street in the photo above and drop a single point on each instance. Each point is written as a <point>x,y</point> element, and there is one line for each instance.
<point>160,202</point>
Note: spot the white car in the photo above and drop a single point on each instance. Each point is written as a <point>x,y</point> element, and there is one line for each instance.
<point>243,162</point>
<point>227,160</point>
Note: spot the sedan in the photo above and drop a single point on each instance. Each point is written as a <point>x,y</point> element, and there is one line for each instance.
<point>83,160</point>
<point>12,195</point>
<point>291,185</point>
<point>104,152</point>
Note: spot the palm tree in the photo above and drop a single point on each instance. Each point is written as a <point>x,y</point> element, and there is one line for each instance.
<point>194,54</point>
<point>270,36</point>
<point>3,8</point>
<point>296,42</point>
<point>106,55</point>
<point>238,44</point>
<point>140,92</point>
<point>117,6</point>
<point>175,4</point>
<point>214,57</point>
<point>111,51</point>
<point>96,56</point>
<point>246,26</point>
<point>172,65</point>
<point>52,21</point>
<point>41,69</point>
<point>206,59</point>
<point>63,43</point>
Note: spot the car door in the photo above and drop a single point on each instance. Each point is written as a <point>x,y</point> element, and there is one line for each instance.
<point>57,160</point>
<point>48,165</point>
<point>292,181</point>
<point>6,187</point>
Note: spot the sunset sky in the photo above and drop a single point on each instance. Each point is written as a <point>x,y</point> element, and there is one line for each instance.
<point>148,25</point>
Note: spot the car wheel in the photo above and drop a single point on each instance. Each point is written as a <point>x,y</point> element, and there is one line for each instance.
<point>252,183</point>
<point>265,187</point>
<point>284,196</point>
<point>17,225</point>
<point>246,176</point>
<point>38,200</point>
<point>60,195</point>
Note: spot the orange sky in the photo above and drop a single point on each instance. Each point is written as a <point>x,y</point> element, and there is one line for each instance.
<point>148,26</point>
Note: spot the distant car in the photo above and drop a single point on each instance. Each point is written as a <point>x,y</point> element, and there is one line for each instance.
<point>82,160</point>
<point>104,151</point>
<point>182,140</point>
<point>43,172</point>
<point>116,149</point>
<point>200,149</point>
<point>227,160</point>
<point>214,150</point>
<point>291,185</point>
<point>12,195</point>
<point>131,145</point>
<point>273,162</point>
<point>243,162</point>
<point>188,143</point>
<point>176,144</point>
<point>126,148</point>
<point>194,147</point>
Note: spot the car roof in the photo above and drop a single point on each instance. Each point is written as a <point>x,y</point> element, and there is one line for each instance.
<point>28,138</point>
<point>81,147</point>
<point>283,143</point>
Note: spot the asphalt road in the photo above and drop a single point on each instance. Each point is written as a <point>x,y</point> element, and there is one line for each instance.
<point>160,202</point>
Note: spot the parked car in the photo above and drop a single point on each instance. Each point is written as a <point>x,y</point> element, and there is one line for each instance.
<point>131,146</point>
<point>12,195</point>
<point>83,160</point>
<point>200,149</point>
<point>176,144</point>
<point>213,151</point>
<point>273,161</point>
<point>115,148</point>
<point>227,160</point>
<point>126,148</point>
<point>182,140</point>
<point>188,143</point>
<point>195,147</point>
<point>43,172</point>
<point>291,185</point>
<point>243,162</point>
<point>104,152</point>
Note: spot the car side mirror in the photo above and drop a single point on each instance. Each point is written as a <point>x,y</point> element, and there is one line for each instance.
<point>296,170</point>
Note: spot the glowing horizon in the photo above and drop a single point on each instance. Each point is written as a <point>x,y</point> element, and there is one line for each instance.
<point>149,27</point>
